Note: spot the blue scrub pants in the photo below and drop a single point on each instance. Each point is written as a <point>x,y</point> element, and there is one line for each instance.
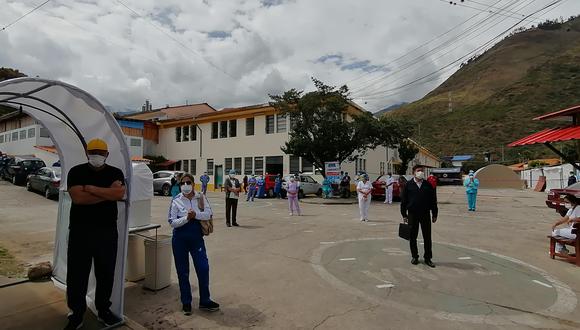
<point>188,240</point>
<point>251,193</point>
<point>471,199</point>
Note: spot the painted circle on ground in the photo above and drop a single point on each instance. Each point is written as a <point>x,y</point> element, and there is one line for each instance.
<point>470,285</point>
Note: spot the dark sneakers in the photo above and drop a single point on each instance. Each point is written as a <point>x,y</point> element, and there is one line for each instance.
<point>74,323</point>
<point>186,309</point>
<point>210,306</point>
<point>108,318</point>
<point>415,261</point>
<point>235,224</point>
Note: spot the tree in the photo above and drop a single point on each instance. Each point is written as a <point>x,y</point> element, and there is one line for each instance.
<point>8,73</point>
<point>407,152</point>
<point>322,129</point>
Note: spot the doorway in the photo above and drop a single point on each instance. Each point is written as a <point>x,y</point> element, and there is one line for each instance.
<point>218,176</point>
<point>275,165</point>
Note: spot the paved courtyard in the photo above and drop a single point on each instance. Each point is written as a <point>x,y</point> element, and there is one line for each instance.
<point>326,270</point>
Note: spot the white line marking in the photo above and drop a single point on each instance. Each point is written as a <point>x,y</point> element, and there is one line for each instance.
<point>542,283</point>
<point>309,231</point>
<point>327,242</point>
<point>464,258</point>
<point>372,224</point>
<point>385,286</point>
<point>347,259</point>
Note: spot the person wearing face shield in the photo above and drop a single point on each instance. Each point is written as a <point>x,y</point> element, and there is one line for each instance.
<point>233,189</point>
<point>187,211</point>
<point>471,185</point>
<point>94,188</point>
<point>418,204</point>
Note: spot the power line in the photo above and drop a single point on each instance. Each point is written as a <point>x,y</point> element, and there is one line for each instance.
<point>178,41</point>
<point>463,35</point>
<point>491,11</point>
<point>22,17</point>
<point>471,52</point>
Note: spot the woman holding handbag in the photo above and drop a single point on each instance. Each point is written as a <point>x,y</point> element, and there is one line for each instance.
<point>187,211</point>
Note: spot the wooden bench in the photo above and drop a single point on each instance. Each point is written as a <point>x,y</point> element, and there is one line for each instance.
<point>573,258</point>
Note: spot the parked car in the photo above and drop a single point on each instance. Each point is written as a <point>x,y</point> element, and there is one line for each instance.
<point>380,184</point>
<point>20,167</point>
<point>162,182</point>
<point>308,186</point>
<point>451,176</point>
<point>556,197</point>
<point>45,180</point>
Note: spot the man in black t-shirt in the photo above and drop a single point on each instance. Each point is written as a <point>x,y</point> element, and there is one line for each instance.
<point>94,188</point>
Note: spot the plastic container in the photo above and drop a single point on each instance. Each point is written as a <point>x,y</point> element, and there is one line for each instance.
<point>135,267</point>
<point>158,263</point>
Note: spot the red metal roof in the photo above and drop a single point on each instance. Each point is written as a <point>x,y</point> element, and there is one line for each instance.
<point>562,113</point>
<point>550,135</point>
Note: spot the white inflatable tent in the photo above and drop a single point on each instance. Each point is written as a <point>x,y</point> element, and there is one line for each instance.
<point>72,117</point>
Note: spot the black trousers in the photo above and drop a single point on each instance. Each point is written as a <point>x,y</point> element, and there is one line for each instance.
<point>231,209</point>
<point>85,247</point>
<point>423,220</point>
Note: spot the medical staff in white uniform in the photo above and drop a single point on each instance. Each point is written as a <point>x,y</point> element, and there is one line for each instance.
<point>569,219</point>
<point>364,189</point>
<point>389,182</point>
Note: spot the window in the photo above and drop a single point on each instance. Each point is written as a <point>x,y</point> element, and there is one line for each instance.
<point>185,133</point>
<point>269,124</point>
<point>192,166</point>
<point>307,166</point>
<point>31,133</point>
<point>223,129</point>
<point>178,134</point>
<point>210,167</point>
<point>250,126</point>
<point>2,138</point>
<point>238,165</point>
<point>233,128</point>
<point>177,165</point>
<point>280,123</point>
<point>294,164</point>
<point>14,136</point>
<point>364,165</point>
<point>248,164</point>
<point>228,162</point>
<point>185,165</point>
<point>23,135</point>
<point>292,123</point>
<point>214,130</point>
<point>193,132</point>
<point>259,165</point>
<point>135,142</point>
<point>43,133</point>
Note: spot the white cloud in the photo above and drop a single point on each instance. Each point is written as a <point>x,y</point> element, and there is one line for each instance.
<point>235,52</point>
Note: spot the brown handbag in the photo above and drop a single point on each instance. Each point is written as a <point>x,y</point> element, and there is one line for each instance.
<point>206,225</point>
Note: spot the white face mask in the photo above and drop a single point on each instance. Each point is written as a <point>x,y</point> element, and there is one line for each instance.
<point>97,160</point>
<point>186,189</point>
<point>420,175</point>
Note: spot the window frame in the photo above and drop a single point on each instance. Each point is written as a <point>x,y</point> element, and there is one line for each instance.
<point>215,127</point>
<point>267,126</point>
<point>253,126</point>
<point>178,134</point>
<point>209,169</point>
<point>185,134</point>
<point>233,127</point>
<point>281,119</point>
<point>223,129</point>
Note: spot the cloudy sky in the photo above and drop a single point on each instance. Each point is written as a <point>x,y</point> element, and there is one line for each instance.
<point>234,52</point>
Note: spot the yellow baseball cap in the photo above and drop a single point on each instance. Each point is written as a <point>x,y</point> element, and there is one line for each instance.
<point>97,144</point>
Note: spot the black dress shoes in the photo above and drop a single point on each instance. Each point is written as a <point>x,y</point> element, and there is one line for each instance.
<point>429,263</point>
<point>415,261</point>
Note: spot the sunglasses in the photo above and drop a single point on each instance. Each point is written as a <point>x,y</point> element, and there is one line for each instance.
<point>188,183</point>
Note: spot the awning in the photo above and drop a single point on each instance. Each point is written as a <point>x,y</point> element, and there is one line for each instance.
<point>167,163</point>
<point>550,135</point>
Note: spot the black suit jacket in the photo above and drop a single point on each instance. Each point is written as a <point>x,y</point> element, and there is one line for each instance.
<point>417,200</point>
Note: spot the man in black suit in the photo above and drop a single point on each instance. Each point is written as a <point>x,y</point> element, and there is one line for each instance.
<point>417,202</point>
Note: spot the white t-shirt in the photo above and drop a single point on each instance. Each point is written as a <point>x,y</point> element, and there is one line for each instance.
<point>363,186</point>
<point>572,214</point>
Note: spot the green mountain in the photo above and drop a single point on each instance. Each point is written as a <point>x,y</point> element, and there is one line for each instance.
<point>496,95</point>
